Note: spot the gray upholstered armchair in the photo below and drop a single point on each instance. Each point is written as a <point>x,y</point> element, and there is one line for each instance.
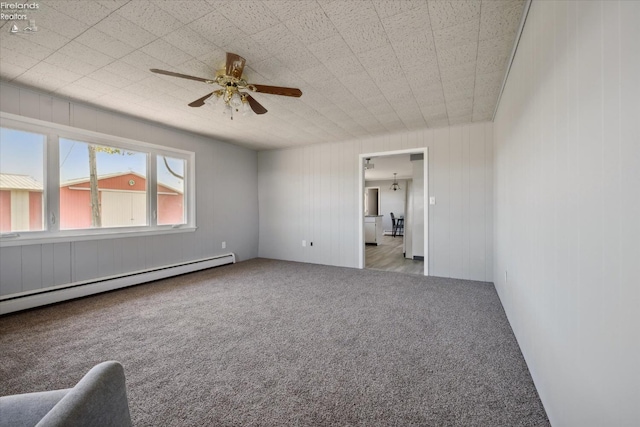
<point>99,399</point>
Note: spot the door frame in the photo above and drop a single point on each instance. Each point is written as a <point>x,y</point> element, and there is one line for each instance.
<point>361,186</point>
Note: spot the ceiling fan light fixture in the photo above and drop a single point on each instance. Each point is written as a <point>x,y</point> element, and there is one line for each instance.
<point>230,98</point>
<point>246,108</point>
<point>235,100</point>
<point>214,101</point>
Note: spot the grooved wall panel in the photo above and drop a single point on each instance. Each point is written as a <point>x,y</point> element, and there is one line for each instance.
<point>467,212</point>
<point>108,262</point>
<point>488,200</point>
<point>440,171</point>
<point>29,104</point>
<point>476,185</point>
<point>10,270</point>
<point>31,263</point>
<point>61,263</point>
<point>84,117</point>
<point>226,205</point>
<point>567,207</point>
<point>311,193</point>
<point>10,99</point>
<point>48,261</point>
<point>46,108</point>
<point>457,205</point>
<point>86,259</point>
<point>60,113</point>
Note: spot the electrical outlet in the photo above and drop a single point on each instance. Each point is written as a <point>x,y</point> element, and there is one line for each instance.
<point>224,245</point>
<point>304,243</point>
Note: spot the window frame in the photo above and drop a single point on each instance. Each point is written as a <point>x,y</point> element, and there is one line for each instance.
<point>184,190</point>
<point>51,232</point>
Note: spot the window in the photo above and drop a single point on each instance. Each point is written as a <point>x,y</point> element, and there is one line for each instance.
<point>170,190</point>
<point>21,180</point>
<point>92,185</point>
<point>101,186</point>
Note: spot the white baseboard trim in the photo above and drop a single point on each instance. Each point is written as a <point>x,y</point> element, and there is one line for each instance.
<point>50,295</point>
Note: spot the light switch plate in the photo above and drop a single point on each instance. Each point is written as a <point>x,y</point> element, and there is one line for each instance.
<point>432,200</point>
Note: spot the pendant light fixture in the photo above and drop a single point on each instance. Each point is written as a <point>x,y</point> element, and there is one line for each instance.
<point>395,186</point>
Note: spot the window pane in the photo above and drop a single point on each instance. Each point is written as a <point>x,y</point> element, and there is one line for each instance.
<point>21,180</point>
<point>101,186</point>
<point>171,190</point>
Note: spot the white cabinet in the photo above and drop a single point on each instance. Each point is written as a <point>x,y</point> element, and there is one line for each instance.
<point>370,232</point>
<point>373,229</point>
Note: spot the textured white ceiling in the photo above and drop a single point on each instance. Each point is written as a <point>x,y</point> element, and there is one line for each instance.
<point>365,67</point>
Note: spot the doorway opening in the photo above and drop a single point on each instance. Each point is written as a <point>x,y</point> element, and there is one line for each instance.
<point>394,234</point>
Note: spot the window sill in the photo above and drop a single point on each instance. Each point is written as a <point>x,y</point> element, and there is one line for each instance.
<point>82,235</point>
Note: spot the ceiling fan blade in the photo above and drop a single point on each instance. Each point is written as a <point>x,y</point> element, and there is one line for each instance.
<point>255,105</point>
<point>277,90</point>
<point>235,65</point>
<point>200,101</point>
<point>182,76</point>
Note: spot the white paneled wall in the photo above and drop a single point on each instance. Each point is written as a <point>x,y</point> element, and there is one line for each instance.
<point>226,203</point>
<point>567,208</point>
<point>311,193</point>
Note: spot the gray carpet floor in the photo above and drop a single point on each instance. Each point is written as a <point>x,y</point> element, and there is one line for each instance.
<point>275,343</point>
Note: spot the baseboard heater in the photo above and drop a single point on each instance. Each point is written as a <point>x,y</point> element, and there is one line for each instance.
<point>50,295</point>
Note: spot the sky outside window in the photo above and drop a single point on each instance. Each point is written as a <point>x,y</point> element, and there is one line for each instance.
<point>74,161</point>
<point>21,180</point>
<point>165,177</point>
<point>22,153</point>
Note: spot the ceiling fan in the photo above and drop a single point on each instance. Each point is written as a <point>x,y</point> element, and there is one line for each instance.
<point>232,83</point>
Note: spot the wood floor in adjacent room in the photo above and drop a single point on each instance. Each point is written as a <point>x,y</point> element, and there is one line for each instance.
<point>388,256</point>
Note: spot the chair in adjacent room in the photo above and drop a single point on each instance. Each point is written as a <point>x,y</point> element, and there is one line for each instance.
<point>397,226</point>
<point>400,226</point>
<point>394,225</point>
